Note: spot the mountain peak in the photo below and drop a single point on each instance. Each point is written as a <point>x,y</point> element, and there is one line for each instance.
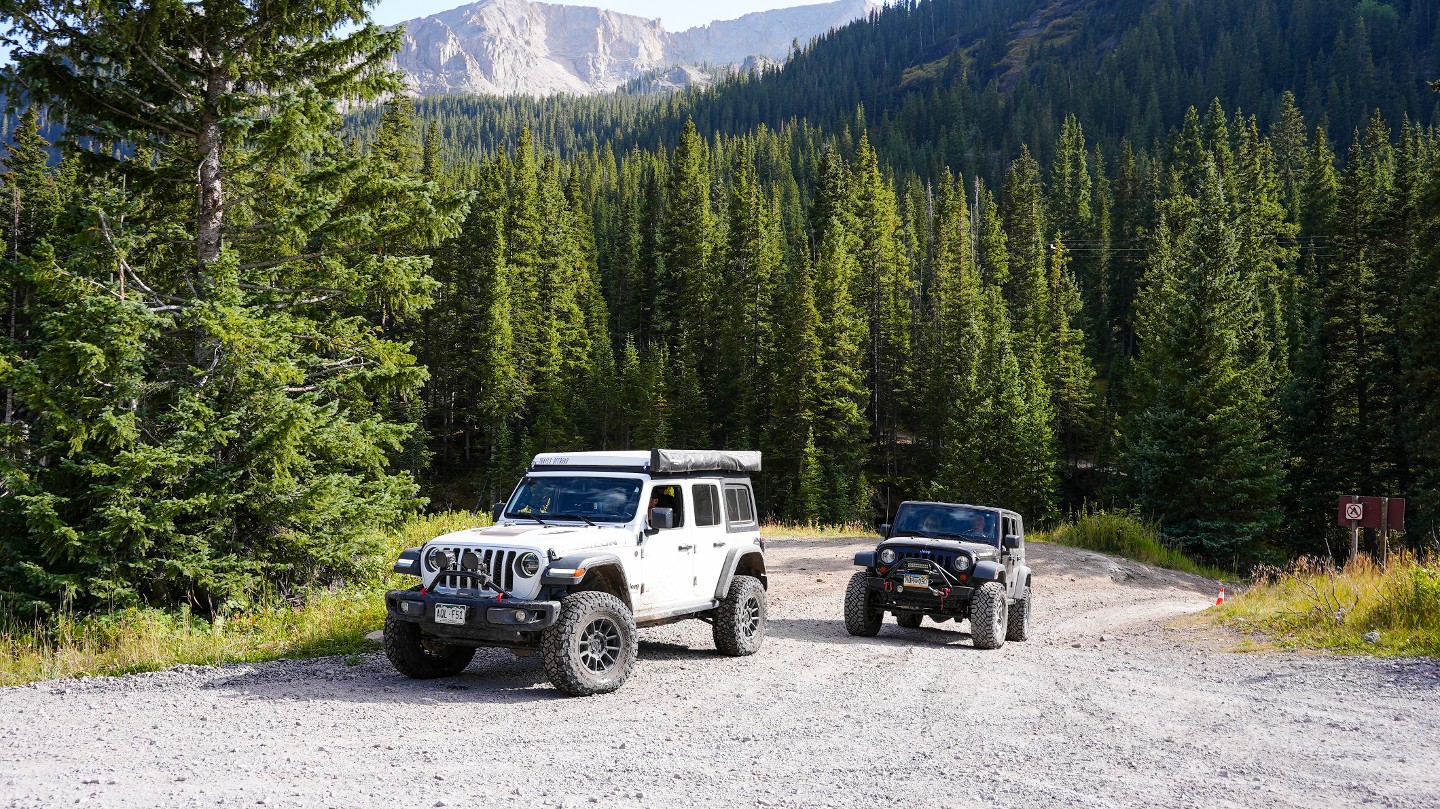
<point>522,47</point>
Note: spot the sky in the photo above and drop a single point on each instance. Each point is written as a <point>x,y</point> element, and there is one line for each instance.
<point>677,15</point>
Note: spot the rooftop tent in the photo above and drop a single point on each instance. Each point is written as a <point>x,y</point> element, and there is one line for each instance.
<point>661,461</point>
<point>704,460</point>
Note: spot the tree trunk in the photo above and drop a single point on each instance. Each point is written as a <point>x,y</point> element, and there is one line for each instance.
<point>210,211</point>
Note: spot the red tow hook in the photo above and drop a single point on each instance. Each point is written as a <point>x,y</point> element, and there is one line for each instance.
<point>500,595</point>
<point>888,586</point>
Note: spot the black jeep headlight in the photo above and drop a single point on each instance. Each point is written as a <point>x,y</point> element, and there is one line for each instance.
<point>887,556</point>
<point>962,563</point>
<point>527,565</point>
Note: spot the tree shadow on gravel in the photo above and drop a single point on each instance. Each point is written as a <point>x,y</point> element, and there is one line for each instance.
<point>820,630</point>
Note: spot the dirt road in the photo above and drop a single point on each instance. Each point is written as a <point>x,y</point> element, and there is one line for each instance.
<point>1106,706</point>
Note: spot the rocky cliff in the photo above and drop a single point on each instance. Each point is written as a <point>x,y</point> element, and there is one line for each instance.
<point>516,46</point>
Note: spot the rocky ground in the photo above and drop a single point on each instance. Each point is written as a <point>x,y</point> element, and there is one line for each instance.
<point>1109,704</point>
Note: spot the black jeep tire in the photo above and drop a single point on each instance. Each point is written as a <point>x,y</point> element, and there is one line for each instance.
<point>987,616</point>
<point>861,619</point>
<point>1018,625</point>
<point>909,620</point>
<point>739,625</point>
<point>420,659</point>
<point>592,646</point>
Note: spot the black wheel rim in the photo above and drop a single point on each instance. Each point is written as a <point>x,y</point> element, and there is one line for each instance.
<point>600,645</point>
<point>750,617</point>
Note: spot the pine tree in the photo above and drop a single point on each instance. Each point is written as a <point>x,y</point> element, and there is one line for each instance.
<point>1199,455</point>
<point>239,434</point>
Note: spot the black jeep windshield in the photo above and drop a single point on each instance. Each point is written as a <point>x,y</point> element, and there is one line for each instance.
<point>958,522</point>
<point>583,499</point>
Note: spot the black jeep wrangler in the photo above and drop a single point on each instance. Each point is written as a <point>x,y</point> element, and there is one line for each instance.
<point>945,561</point>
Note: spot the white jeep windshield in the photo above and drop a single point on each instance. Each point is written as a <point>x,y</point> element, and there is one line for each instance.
<point>581,498</point>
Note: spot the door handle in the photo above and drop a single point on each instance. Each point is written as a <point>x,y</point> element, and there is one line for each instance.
<point>686,548</point>
<point>719,544</point>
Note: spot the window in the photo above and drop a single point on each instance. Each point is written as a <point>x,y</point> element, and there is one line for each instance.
<point>668,496</point>
<point>575,498</point>
<point>739,507</point>
<point>707,504</point>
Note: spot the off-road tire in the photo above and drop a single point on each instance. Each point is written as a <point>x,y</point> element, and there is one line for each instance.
<point>909,620</point>
<point>739,625</point>
<point>861,619</point>
<point>1017,627</point>
<point>592,646</point>
<point>420,659</point>
<point>987,616</point>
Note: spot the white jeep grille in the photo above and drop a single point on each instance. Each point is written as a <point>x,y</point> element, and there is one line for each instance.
<point>500,564</point>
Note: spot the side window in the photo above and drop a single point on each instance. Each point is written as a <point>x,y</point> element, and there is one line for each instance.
<point>739,507</point>
<point>707,504</point>
<point>669,497</point>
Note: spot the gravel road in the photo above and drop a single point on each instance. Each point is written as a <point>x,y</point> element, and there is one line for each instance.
<point>1107,705</point>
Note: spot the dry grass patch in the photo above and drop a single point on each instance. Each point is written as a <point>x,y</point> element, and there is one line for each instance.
<point>1362,608</point>
<point>800,530</point>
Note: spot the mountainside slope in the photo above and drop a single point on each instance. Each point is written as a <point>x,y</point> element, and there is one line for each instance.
<point>515,46</point>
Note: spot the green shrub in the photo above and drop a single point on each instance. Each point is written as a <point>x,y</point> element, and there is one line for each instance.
<point>1120,533</point>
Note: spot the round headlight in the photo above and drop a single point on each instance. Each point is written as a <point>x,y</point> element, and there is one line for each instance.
<point>439,559</point>
<point>962,563</point>
<point>528,564</point>
<point>887,556</point>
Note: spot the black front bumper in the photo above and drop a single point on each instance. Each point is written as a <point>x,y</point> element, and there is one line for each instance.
<point>488,620</point>
<point>941,597</point>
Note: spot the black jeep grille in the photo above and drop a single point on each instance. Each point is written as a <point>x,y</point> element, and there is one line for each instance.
<point>941,558</point>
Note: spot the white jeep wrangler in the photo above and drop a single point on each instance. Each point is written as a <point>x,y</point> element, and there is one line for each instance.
<point>590,546</point>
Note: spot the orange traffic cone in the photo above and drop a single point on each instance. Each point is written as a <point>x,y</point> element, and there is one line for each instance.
<point>1220,599</point>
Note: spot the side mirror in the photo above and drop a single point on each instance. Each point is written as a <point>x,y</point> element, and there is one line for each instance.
<point>885,531</point>
<point>1013,542</point>
<point>662,518</point>
<point>496,512</point>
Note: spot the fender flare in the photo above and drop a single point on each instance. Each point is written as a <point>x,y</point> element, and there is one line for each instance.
<point>865,559</point>
<point>988,571</point>
<point>409,562</point>
<point>732,561</point>
<point>582,561</point>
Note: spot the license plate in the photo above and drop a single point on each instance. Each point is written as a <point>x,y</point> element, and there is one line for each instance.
<point>917,580</point>
<point>450,614</point>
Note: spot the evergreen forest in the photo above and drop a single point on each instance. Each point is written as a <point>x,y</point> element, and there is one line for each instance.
<point>1173,258</point>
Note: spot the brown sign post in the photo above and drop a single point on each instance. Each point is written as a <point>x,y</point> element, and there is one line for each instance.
<point>1382,514</point>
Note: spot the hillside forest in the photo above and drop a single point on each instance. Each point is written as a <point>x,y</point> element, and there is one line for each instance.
<point>243,333</point>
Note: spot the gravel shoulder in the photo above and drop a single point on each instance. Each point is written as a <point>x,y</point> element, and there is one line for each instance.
<point>1153,714</point>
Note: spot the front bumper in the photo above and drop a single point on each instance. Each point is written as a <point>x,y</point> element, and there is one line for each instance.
<point>488,620</point>
<point>942,596</point>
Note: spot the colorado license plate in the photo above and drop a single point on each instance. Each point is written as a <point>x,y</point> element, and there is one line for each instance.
<point>450,614</point>
<point>917,580</point>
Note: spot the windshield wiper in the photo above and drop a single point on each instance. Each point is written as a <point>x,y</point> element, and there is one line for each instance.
<point>526,517</point>
<point>572,517</point>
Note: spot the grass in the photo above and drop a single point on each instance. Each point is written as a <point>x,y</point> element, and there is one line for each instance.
<point>800,530</point>
<point>332,621</point>
<point>1311,604</point>
<point>1120,534</point>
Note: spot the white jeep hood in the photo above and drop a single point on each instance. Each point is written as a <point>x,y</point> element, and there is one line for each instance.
<point>564,539</point>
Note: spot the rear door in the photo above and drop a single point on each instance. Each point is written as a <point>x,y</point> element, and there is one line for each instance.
<point>711,540</point>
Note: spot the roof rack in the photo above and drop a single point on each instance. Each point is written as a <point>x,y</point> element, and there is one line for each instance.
<point>662,461</point>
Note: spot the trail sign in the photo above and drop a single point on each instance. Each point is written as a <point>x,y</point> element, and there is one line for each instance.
<point>1383,514</point>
